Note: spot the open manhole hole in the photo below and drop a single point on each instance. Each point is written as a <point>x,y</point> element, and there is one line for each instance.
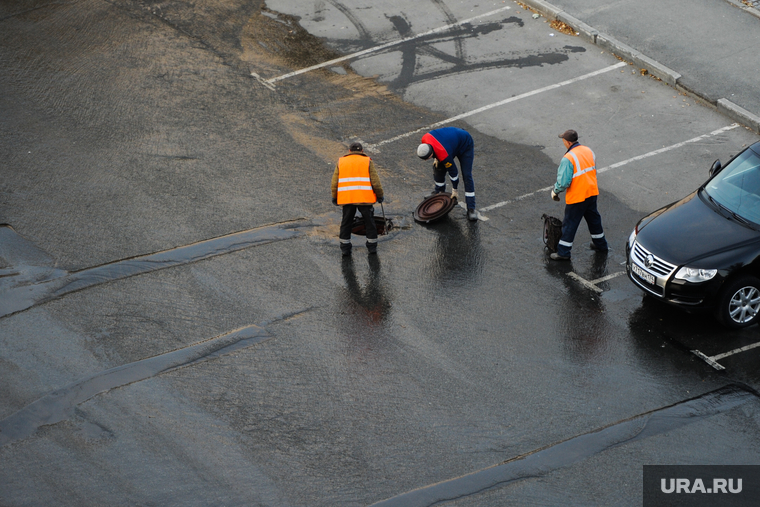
<point>383,226</point>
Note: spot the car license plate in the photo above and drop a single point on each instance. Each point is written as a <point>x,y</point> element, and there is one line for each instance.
<point>647,277</point>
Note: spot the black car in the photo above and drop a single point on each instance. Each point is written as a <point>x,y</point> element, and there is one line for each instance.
<point>703,252</point>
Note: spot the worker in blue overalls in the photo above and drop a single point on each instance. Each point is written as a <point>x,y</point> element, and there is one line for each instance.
<point>444,145</point>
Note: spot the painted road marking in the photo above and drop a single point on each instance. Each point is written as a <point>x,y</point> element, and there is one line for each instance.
<point>374,147</point>
<point>381,47</point>
<point>593,283</point>
<point>672,147</point>
<point>622,163</point>
<point>481,216</point>
<point>709,360</point>
<point>713,360</point>
<point>608,277</point>
<point>262,81</point>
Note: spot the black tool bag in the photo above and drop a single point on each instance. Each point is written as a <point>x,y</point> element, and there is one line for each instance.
<point>552,232</point>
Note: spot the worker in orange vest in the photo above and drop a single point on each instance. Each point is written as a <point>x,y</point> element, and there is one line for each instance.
<point>355,185</point>
<point>577,175</point>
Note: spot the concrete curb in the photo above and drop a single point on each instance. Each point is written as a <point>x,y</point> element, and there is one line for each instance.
<point>739,114</point>
<point>745,8</point>
<point>642,61</point>
<point>545,8</point>
<point>584,31</point>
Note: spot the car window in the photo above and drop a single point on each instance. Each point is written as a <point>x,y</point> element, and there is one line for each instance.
<point>737,186</point>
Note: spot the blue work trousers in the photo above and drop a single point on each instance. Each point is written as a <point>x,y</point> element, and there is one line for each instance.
<point>573,215</point>
<point>466,157</point>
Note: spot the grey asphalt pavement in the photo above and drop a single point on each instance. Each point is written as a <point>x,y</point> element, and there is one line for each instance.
<point>177,326</point>
<point>708,47</point>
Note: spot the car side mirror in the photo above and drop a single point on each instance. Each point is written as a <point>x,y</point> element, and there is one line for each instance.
<point>716,167</point>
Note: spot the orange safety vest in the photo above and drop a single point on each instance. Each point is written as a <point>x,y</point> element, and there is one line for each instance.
<point>584,183</point>
<point>354,184</point>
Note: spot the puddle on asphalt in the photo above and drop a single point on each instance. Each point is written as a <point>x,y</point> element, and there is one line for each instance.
<point>366,304</point>
<point>578,448</point>
<point>25,290</point>
<point>327,227</point>
<point>61,404</point>
<point>459,256</point>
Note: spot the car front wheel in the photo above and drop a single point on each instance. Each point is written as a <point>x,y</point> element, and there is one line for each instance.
<point>739,303</point>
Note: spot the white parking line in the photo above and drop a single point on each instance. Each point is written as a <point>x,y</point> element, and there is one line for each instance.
<point>578,278</point>
<point>736,351</point>
<point>608,277</point>
<point>672,147</point>
<point>374,147</point>
<point>624,162</point>
<point>709,360</point>
<point>383,46</point>
<point>713,360</point>
<point>593,283</point>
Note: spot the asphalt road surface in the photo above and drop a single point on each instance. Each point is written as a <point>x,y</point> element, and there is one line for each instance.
<point>177,326</point>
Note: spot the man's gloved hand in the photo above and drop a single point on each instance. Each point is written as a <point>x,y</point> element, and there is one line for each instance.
<point>454,194</point>
<point>555,197</point>
<point>335,201</point>
<point>380,199</point>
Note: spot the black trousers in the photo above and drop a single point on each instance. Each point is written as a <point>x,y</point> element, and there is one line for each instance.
<point>346,224</point>
<point>574,213</point>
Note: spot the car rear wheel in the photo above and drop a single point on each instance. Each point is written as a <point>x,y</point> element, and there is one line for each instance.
<point>739,303</point>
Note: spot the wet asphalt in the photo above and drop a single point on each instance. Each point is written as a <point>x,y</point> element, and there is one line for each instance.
<point>177,326</point>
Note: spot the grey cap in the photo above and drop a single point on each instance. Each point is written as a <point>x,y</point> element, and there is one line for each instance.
<point>570,136</point>
<point>424,151</point>
<point>356,147</point>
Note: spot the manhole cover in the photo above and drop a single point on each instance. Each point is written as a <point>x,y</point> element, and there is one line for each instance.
<point>434,206</point>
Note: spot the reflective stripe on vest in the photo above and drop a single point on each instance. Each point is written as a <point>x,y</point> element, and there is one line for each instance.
<point>584,183</point>
<point>354,184</point>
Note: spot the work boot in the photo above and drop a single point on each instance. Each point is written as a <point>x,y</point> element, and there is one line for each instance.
<point>557,257</point>
<point>592,246</point>
<point>345,251</point>
<point>472,215</point>
<point>372,247</point>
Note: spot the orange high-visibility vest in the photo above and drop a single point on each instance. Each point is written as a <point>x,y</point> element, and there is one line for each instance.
<point>584,183</point>
<point>354,185</point>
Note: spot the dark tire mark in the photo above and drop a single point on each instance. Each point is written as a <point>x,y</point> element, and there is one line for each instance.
<point>441,5</point>
<point>364,34</point>
<point>408,52</point>
<point>410,49</point>
<point>520,63</point>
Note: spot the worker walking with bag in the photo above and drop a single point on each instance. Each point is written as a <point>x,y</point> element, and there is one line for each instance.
<point>356,186</point>
<point>577,175</point>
